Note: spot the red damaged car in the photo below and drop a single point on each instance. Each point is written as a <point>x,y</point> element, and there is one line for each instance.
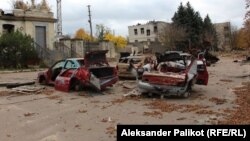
<point>75,73</point>
<point>175,74</point>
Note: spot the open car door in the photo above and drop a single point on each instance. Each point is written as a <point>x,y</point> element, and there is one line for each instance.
<point>202,73</point>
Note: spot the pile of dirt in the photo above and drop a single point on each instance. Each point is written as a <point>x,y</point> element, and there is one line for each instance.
<point>241,115</point>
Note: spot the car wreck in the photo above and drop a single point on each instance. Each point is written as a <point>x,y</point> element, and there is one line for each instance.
<point>75,73</point>
<point>175,74</point>
<point>130,66</point>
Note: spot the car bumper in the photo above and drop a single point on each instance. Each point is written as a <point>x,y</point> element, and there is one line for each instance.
<point>161,89</point>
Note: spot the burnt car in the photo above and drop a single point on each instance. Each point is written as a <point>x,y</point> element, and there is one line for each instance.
<point>130,66</point>
<point>75,73</point>
<point>175,74</point>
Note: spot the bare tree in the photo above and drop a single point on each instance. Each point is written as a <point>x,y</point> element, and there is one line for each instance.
<point>172,34</point>
<point>234,38</point>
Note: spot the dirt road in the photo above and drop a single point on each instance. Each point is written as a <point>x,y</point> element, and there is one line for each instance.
<point>88,115</point>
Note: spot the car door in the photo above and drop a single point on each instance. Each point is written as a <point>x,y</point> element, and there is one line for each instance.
<point>62,82</point>
<point>202,73</point>
<point>54,70</point>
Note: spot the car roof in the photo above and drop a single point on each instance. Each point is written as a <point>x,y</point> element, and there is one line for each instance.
<point>135,57</point>
<point>73,59</point>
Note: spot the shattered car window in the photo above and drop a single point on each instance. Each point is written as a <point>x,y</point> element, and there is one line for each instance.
<point>81,62</point>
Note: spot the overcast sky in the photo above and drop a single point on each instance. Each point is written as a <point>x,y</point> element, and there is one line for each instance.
<point>119,14</point>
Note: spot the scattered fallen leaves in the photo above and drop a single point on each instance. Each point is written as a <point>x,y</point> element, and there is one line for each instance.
<point>153,114</point>
<point>8,135</point>
<point>48,91</point>
<point>182,118</point>
<point>118,101</point>
<point>54,97</point>
<point>28,114</point>
<point>104,120</point>
<point>208,112</point>
<point>161,105</point>
<point>226,80</point>
<point>192,108</point>
<point>77,126</point>
<point>5,93</point>
<point>218,101</point>
<point>95,101</point>
<point>82,111</point>
<point>110,130</point>
<point>241,114</point>
<point>167,107</point>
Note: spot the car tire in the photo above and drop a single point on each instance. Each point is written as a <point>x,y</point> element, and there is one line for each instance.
<point>188,91</point>
<point>76,85</point>
<point>42,80</point>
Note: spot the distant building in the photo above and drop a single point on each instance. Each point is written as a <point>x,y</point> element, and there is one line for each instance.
<point>38,23</point>
<point>223,31</point>
<point>148,32</point>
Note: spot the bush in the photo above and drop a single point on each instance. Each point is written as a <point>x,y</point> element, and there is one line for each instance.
<point>16,50</point>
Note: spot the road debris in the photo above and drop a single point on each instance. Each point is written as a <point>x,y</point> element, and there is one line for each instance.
<point>28,89</point>
<point>134,92</point>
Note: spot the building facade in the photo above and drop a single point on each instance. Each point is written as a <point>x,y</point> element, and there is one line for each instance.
<point>38,23</point>
<point>148,32</point>
<point>223,31</point>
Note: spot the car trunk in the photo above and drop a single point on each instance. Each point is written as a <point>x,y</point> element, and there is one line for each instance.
<point>102,76</point>
<point>96,58</point>
<point>170,78</point>
<point>102,72</point>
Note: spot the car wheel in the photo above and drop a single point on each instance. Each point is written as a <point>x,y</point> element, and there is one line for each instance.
<point>76,85</point>
<point>188,91</point>
<point>186,94</point>
<point>42,80</point>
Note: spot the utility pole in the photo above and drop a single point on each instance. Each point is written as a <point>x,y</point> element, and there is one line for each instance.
<point>59,18</point>
<point>90,23</point>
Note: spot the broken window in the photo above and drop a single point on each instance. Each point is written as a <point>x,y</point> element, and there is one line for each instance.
<point>155,29</point>
<point>142,30</point>
<point>226,28</point>
<point>135,31</point>
<point>148,32</point>
<point>7,28</point>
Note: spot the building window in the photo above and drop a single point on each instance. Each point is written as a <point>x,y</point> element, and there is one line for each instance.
<point>135,31</point>
<point>7,28</point>
<point>155,29</point>
<point>148,32</point>
<point>226,35</point>
<point>142,30</point>
<point>226,28</point>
